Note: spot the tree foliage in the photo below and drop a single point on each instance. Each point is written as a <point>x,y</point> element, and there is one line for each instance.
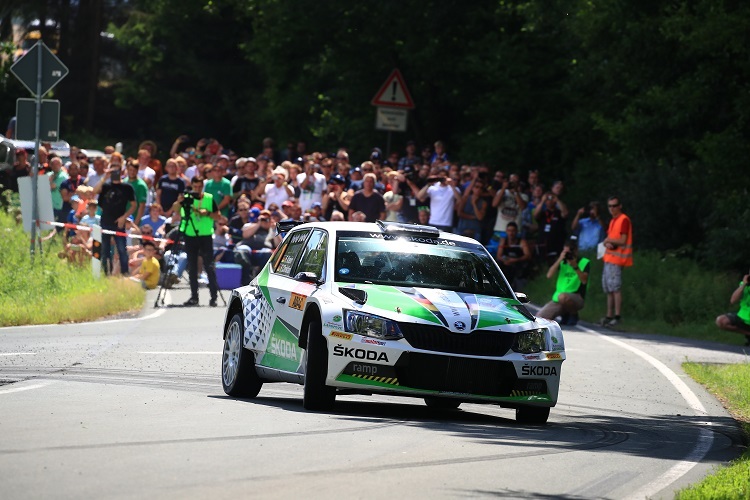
<point>646,99</point>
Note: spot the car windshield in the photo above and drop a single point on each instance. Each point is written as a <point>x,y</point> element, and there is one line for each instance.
<point>417,261</point>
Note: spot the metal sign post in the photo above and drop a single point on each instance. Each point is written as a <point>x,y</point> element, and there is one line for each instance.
<point>39,70</point>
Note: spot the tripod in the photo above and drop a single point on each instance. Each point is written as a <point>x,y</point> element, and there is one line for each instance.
<point>178,240</point>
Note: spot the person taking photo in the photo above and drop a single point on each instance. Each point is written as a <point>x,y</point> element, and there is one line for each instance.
<point>570,291</point>
<point>198,211</point>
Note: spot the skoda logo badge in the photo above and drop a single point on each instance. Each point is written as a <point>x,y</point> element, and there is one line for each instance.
<point>460,326</point>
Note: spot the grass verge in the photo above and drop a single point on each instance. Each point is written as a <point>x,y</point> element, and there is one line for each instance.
<point>51,290</point>
<point>661,294</point>
<point>731,385</point>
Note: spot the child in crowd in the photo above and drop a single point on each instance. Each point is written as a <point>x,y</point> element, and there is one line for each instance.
<point>90,218</point>
<point>148,272</point>
<point>155,219</point>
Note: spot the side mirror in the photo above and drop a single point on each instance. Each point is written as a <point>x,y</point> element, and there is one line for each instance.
<point>7,155</point>
<point>308,277</point>
<point>522,298</point>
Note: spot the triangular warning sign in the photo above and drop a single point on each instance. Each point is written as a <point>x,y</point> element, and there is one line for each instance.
<point>393,93</point>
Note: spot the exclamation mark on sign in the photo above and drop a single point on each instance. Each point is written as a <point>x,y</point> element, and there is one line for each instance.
<point>393,96</point>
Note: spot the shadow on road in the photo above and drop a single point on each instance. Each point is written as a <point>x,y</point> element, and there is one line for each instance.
<point>668,437</point>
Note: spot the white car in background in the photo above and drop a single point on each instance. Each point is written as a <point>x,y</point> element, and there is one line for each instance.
<point>389,308</point>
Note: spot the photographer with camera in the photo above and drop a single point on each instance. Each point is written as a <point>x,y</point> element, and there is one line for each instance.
<point>198,211</point>
<point>738,322</point>
<point>570,291</point>
<point>587,224</point>
<point>510,201</point>
<point>443,195</point>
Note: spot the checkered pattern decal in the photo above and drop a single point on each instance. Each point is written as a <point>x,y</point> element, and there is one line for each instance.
<point>258,315</point>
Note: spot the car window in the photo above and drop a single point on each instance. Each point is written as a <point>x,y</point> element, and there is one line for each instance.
<point>289,251</point>
<point>314,257</point>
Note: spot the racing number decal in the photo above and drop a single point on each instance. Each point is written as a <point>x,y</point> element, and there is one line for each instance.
<point>298,301</point>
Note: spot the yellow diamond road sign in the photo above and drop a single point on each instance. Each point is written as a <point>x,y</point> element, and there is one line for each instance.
<point>26,69</point>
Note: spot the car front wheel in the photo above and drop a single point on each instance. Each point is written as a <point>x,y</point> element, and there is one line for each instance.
<point>535,415</point>
<point>317,396</point>
<point>238,375</point>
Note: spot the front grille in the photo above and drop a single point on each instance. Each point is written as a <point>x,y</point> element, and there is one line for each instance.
<point>440,339</point>
<point>453,374</point>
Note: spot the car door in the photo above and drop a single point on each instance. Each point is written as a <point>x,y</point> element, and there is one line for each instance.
<point>282,351</point>
<point>296,293</point>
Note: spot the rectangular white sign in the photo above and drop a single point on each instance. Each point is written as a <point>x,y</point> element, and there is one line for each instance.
<point>43,198</point>
<point>391,119</point>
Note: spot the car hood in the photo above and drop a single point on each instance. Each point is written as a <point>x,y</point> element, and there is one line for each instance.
<point>457,311</point>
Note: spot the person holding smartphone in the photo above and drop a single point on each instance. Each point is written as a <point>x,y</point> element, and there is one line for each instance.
<point>117,201</point>
<point>738,322</point>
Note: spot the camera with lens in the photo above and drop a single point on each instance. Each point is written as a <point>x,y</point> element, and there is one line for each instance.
<point>188,200</point>
<point>568,256</point>
<point>410,174</point>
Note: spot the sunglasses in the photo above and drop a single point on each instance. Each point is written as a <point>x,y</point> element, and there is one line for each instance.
<point>613,205</point>
<point>264,219</point>
<point>81,157</point>
<point>242,210</point>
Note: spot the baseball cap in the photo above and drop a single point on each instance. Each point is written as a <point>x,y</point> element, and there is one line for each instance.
<point>223,157</point>
<point>287,203</point>
<point>75,198</point>
<point>251,159</point>
<point>255,211</point>
<point>337,179</point>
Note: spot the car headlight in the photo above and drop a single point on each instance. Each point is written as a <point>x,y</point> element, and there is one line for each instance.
<point>530,341</point>
<point>371,326</point>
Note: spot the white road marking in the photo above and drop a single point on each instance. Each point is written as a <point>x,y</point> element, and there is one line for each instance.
<point>705,437</point>
<point>180,352</point>
<point>17,354</point>
<point>24,387</point>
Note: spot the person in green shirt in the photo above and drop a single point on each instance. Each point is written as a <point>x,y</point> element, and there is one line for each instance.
<point>570,291</point>
<point>141,192</point>
<point>738,322</point>
<point>219,187</point>
<point>56,177</point>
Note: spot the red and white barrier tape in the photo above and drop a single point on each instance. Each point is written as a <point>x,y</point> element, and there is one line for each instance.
<point>68,225</point>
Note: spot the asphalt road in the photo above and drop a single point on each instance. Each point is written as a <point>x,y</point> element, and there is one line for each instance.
<point>134,408</point>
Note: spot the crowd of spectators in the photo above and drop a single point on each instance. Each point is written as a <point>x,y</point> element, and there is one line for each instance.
<point>521,217</point>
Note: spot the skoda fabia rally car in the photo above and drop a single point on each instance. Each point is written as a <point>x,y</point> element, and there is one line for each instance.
<point>388,308</point>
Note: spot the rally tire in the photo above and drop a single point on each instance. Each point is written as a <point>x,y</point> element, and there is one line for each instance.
<point>238,375</point>
<point>317,396</point>
<point>442,403</point>
<point>534,415</point>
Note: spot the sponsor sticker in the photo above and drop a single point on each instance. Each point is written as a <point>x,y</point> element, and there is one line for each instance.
<point>334,326</point>
<point>341,335</point>
<point>372,341</point>
<point>352,352</point>
<point>297,301</point>
<point>283,349</point>
<point>554,355</point>
<point>337,318</point>
<point>539,370</point>
<point>531,356</point>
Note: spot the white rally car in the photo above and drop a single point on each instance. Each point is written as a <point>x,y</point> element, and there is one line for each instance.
<point>388,308</point>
